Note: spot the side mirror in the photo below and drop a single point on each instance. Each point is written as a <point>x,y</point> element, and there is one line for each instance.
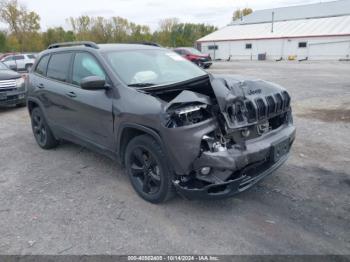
<point>13,67</point>
<point>93,83</point>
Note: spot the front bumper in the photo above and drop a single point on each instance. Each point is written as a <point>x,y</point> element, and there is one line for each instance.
<point>204,62</point>
<point>245,167</point>
<point>14,97</point>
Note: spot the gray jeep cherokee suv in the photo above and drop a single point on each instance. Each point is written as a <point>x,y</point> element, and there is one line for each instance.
<point>175,127</point>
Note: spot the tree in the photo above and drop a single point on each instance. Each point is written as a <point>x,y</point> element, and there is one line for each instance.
<point>239,13</point>
<point>172,33</point>
<point>56,35</point>
<point>2,42</point>
<point>165,36</point>
<point>23,24</point>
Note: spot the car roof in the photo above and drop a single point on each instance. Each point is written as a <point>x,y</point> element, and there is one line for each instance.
<point>103,48</point>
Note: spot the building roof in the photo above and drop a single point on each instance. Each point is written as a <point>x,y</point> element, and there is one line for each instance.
<point>325,9</point>
<point>328,26</point>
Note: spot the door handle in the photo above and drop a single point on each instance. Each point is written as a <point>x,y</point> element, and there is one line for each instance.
<point>71,94</point>
<point>41,86</point>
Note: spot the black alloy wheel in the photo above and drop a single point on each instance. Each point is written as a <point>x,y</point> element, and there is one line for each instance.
<point>147,169</point>
<point>41,130</point>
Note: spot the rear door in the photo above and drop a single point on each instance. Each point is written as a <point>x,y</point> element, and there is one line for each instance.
<point>20,62</point>
<point>55,89</point>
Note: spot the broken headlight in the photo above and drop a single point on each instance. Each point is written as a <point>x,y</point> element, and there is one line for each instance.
<point>187,115</point>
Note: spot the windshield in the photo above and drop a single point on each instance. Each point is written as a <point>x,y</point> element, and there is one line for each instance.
<point>141,68</point>
<point>194,51</point>
<point>3,67</point>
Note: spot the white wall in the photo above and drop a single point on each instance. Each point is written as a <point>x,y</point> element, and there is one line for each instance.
<point>318,48</point>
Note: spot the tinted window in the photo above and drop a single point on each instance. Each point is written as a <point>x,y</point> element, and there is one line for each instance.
<point>180,52</point>
<point>302,44</point>
<point>42,66</point>
<point>8,58</point>
<point>19,57</point>
<point>59,66</point>
<point>31,56</point>
<point>193,51</point>
<point>248,46</point>
<point>3,66</point>
<point>86,65</point>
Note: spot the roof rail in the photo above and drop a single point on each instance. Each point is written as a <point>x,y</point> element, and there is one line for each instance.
<point>67,44</point>
<point>146,43</point>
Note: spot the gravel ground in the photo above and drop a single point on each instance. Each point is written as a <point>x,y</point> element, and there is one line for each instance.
<point>73,201</point>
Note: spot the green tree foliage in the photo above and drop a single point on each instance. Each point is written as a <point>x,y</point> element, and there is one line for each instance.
<point>56,35</point>
<point>24,25</point>
<point>24,30</point>
<point>112,30</point>
<point>238,13</point>
<point>2,42</point>
<point>172,33</point>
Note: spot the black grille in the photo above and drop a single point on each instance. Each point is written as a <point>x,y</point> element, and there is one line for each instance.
<point>279,103</point>
<point>286,99</point>
<point>251,114</point>
<point>261,108</point>
<point>271,107</point>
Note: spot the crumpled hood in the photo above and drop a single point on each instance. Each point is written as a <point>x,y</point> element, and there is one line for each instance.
<point>228,88</point>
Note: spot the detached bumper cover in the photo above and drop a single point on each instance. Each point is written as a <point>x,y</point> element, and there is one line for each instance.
<point>247,167</point>
<point>229,188</point>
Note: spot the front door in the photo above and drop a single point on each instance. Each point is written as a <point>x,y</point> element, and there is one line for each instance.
<point>90,116</point>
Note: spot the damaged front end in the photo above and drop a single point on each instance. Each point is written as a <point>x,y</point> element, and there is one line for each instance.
<point>223,133</point>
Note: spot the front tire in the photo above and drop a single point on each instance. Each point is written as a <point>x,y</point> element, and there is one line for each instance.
<point>41,130</point>
<point>147,170</point>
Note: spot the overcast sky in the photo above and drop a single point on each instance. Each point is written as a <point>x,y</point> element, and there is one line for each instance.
<point>149,12</point>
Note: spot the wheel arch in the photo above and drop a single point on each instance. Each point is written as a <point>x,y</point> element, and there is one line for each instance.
<point>128,131</point>
<point>32,103</point>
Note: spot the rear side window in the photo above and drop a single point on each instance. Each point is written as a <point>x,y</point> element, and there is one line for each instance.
<point>19,57</point>
<point>86,65</point>
<point>31,56</point>
<point>42,65</point>
<point>59,66</point>
<point>8,58</point>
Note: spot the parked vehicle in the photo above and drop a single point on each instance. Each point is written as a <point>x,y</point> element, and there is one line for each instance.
<point>2,56</point>
<point>19,62</point>
<point>12,88</point>
<point>195,56</point>
<point>175,127</point>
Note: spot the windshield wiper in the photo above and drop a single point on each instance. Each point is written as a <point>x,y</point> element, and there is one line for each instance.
<point>142,84</point>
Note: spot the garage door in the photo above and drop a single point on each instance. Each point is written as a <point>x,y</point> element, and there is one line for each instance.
<point>332,50</point>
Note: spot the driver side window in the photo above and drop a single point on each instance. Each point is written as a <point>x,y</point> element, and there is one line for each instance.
<point>85,65</point>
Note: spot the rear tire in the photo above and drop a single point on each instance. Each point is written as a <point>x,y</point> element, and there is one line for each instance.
<point>41,130</point>
<point>147,170</point>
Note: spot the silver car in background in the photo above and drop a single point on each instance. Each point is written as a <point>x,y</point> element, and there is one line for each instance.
<point>19,62</point>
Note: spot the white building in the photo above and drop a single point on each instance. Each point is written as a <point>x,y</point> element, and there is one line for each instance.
<point>315,32</point>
